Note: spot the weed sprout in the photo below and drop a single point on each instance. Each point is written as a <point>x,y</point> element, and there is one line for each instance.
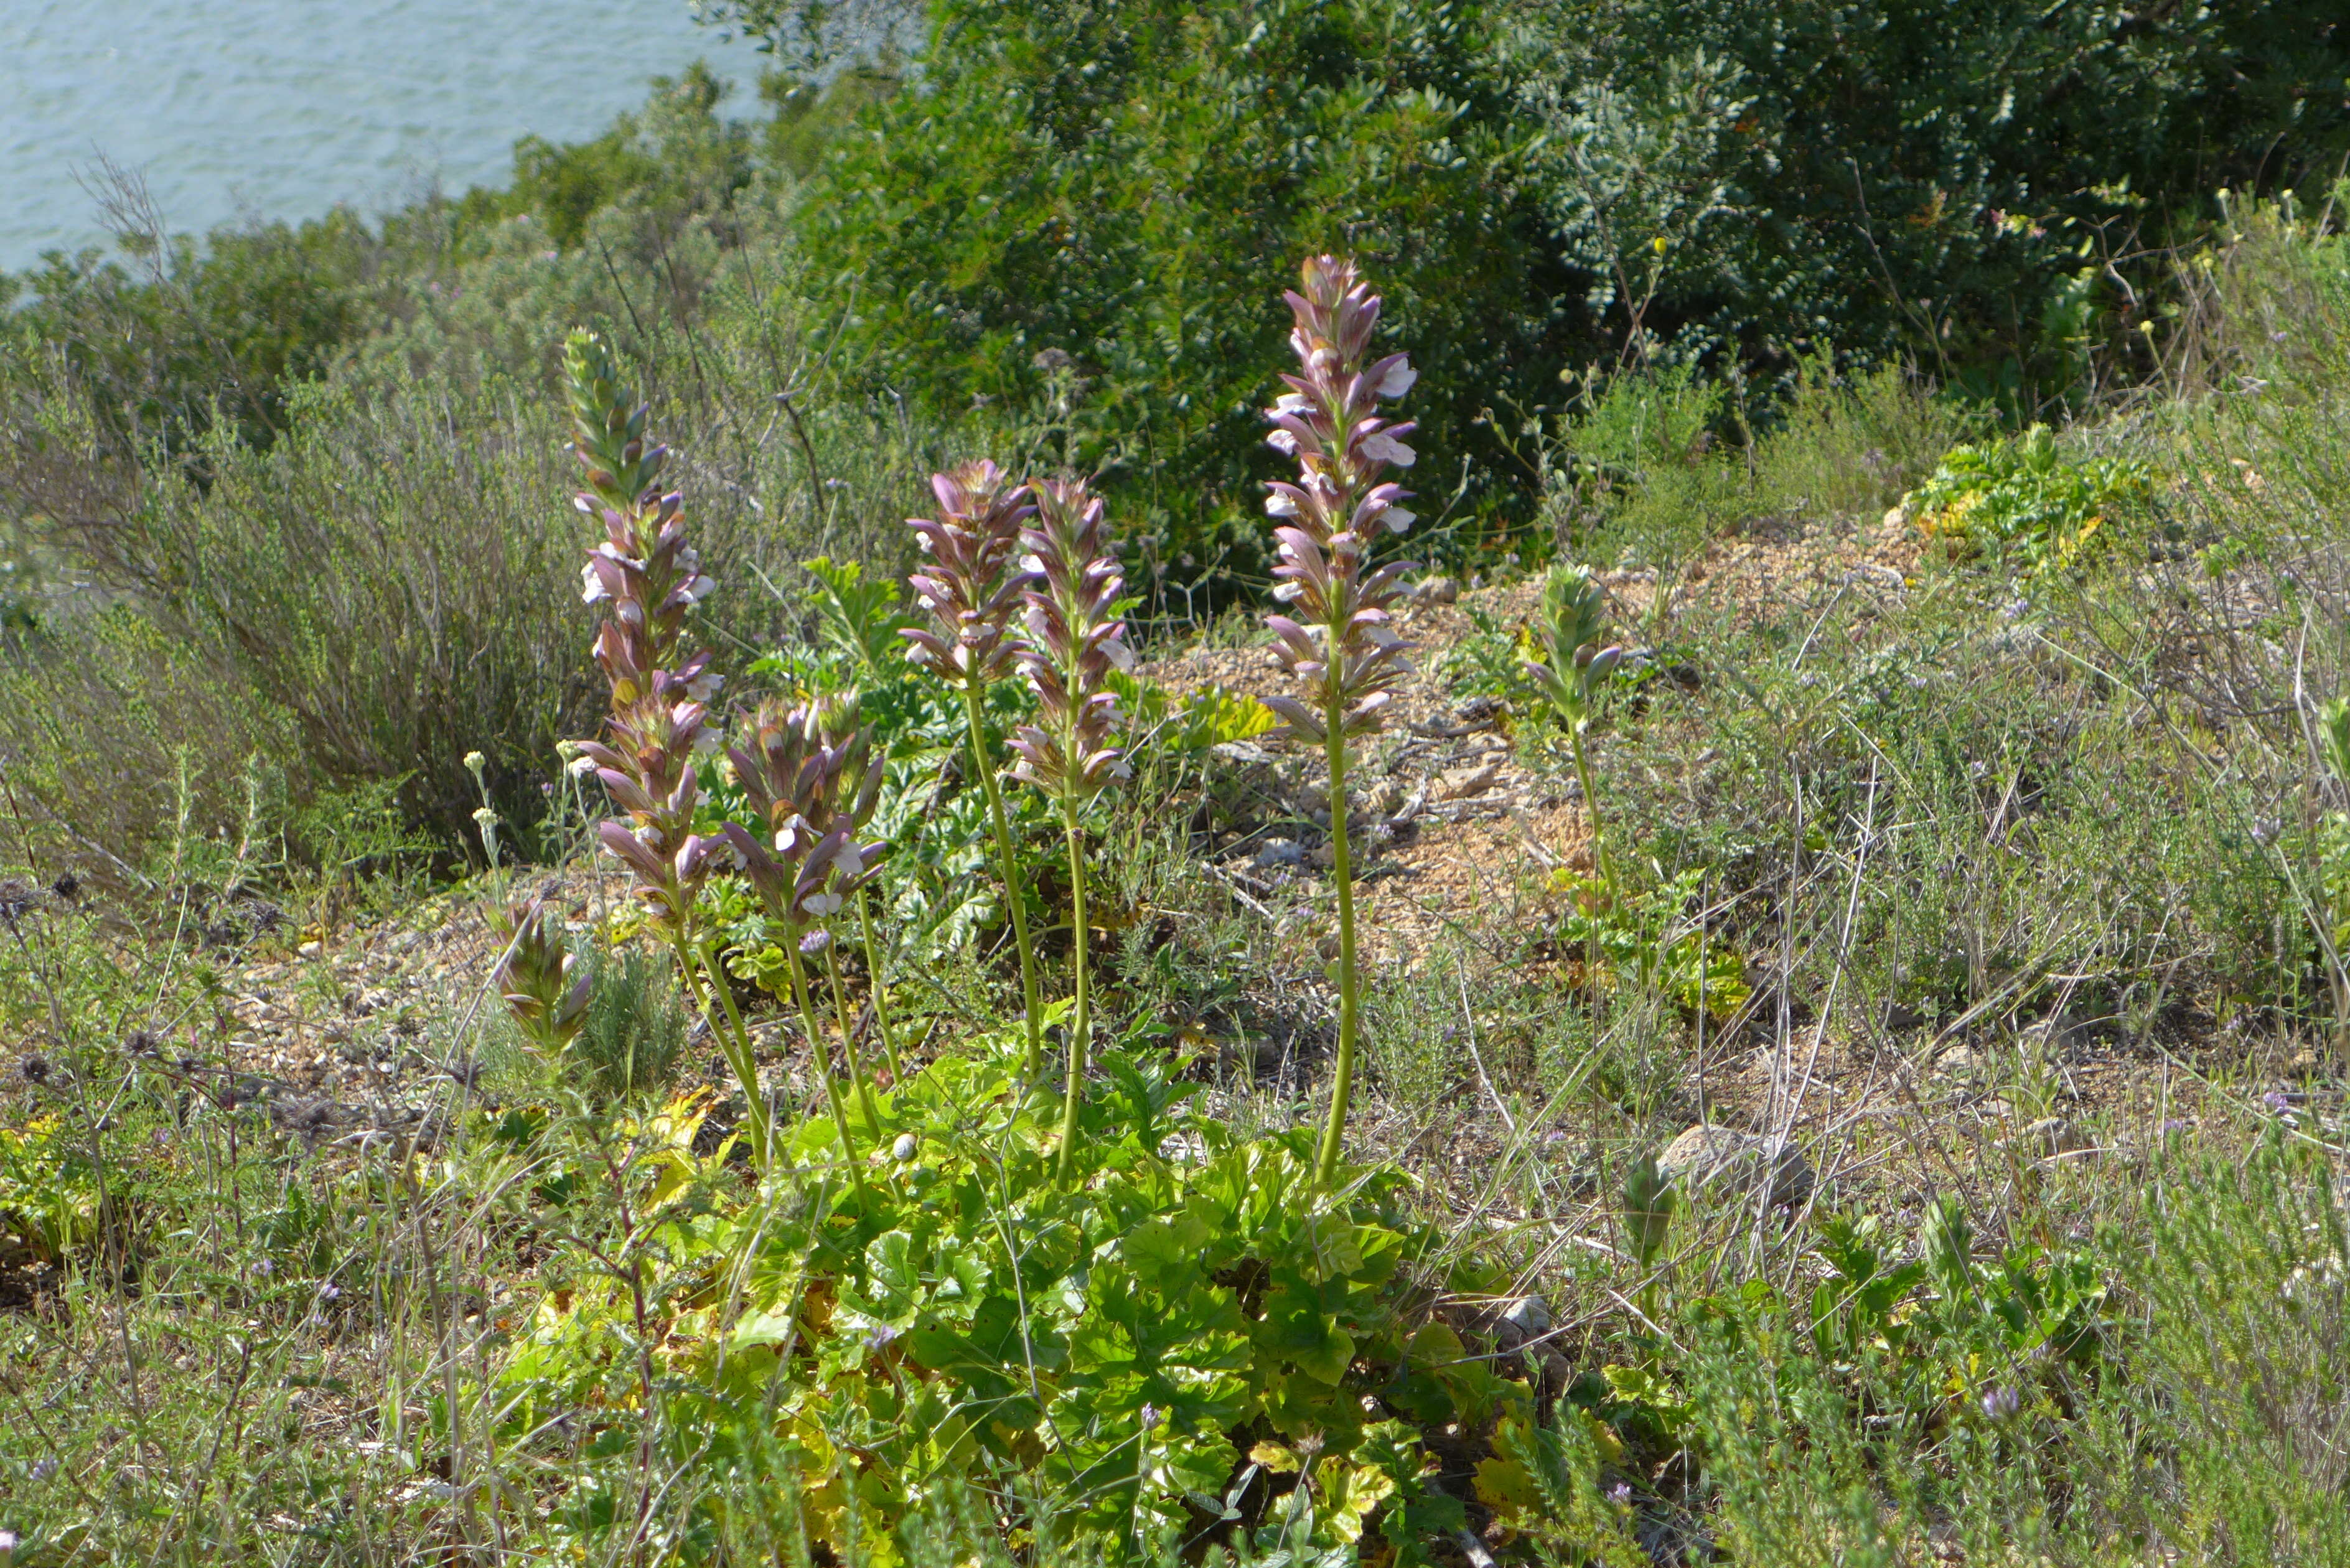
<point>1573,667</point>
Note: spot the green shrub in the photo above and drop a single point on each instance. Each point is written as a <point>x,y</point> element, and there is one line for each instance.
<point>1898,179</point>
<point>137,759</point>
<point>635,1032</point>
<point>178,336</point>
<point>1085,205</point>
<point>676,159</point>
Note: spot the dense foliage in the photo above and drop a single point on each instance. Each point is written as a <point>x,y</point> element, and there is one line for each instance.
<point>1077,210</point>
<point>1978,189</point>
<point>1072,210</point>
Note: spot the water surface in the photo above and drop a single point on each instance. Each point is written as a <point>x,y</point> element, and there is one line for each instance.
<point>284,108</point>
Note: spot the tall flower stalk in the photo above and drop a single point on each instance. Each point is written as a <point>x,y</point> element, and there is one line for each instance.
<point>970,588</point>
<point>813,790</point>
<point>1339,644</point>
<point>647,578</point>
<point>1069,642</point>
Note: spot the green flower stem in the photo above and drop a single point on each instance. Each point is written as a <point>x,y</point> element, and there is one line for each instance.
<point>736,1042</point>
<point>849,1037</point>
<point>880,991</point>
<point>1080,1015</point>
<point>1591,811</point>
<point>1342,1086</point>
<point>1034,1066</point>
<point>821,1060</point>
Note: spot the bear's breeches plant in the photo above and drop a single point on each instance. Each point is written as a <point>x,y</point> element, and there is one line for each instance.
<point>970,590</point>
<point>1070,639</point>
<point>1340,643</point>
<point>813,779</point>
<point>1573,667</point>
<point>647,579</point>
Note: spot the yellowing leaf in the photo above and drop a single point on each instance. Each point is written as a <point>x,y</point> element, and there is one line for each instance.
<point>1507,1486</point>
<point>1274,1457</point>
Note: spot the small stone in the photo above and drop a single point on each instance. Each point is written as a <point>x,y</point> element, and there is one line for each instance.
<point>1708,1156</point>
<point>2055,1036</point>
<point>1277,853</point>
<point>1435,590</point>
<point>1962,1062</point>
<point>1459,783</point>
<point>1530,1315</point>
<point>2052,1135</point>
<point>309,949</point>
<point>1325,854</point>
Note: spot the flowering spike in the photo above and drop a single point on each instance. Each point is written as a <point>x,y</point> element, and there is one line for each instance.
<point>1068,644</point>
<point>647,579</point>
<point>814,781</point>
<point>1336,639</point>
<point>540,978</point>
<point>1071,638</point>
<point>1329,421</point>
<point>969,586</point>
<point>969,590</point>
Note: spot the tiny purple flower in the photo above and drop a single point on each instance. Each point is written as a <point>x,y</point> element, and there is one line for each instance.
<point>880,1336</point>
<point>329,1292</point>
<point>1621,1493</point>
<point>1998,1404</point>
<point>2275,1100</point>
<point>44,1469</point>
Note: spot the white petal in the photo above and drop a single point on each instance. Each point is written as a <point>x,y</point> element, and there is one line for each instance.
<point>1397,380</point>
<point>1281,504</point>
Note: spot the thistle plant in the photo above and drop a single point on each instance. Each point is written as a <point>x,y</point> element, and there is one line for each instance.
<point>1339,644</point>
<point>648,580</point>
<point>1071,639</point>
<point>1573,669</point>
<point>970,589</point>
<point>812,788</point>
